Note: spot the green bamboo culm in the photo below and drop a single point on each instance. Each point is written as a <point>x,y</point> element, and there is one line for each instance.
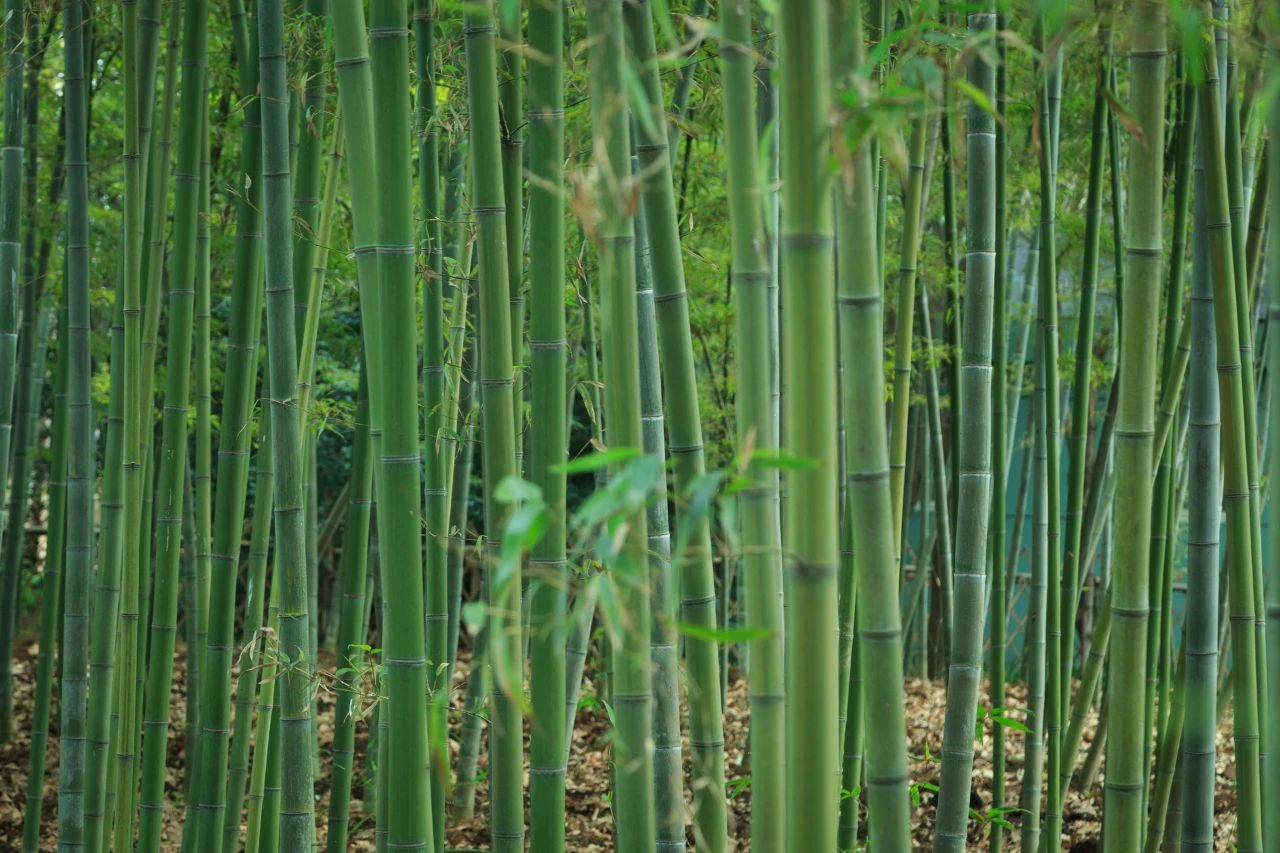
<point>1078,425</point>
<point>244,331</point>
<point>812,814</point>
<point>394,401</point>
<point>904,318</point>
<point>999,441</point>
<point>627,569</point>
<point>11,158</point>
<point>297,802</point>
<point>548,356</point>
<point>136,408</point>
<point>975,424</point>
<point>757,505</point>
<point>1200,642</point>
<point>680,390</point>
<point>173,454</point>
<point>252,640</point>
<point>1134,425</point>
<point>80,447</point>
<point>1235,437</point>
<point>499,440</point>
<point>1271,768</point>
<point>438,449</point>
<point>809,428</point>
<point>351,581</point>
<point>50,608</point>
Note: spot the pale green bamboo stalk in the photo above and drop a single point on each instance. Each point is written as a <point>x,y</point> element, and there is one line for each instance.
<point>757,505</point>
<point>1134,423</point>
<point>680,391</point>
<point>975,425</point>
<point>1236,495</point>
<point>628,563</point>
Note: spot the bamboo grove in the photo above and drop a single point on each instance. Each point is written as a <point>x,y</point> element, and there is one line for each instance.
<point>639,425</point>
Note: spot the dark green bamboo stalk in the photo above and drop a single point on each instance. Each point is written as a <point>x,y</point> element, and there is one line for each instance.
<point>50,607</point>
<point>974,488</point>
<point>1134,423</point>
<point>252,638</point>
<point>628,567</point>
<point>355,554</point>
<point>234,437</point>
<point>1034,656</point>
<point>499,443</point>
<point>394,402</point>
<point>1271,768</point>
<point>262,816</point>
<point>680,390</point>
<point>758,505</point>
<point>309,101</point>
<point>173,464</point>
<point>131,289</point>
<point>438,449</point>
<point>904,317</point>
<point>10,266</point>
<point>548,353</point>
<point>1236,495</point>
<point>1081,399</point>
<point>297,826</point>
<point>1204,522</point>
<point>999,441</point>
<point>511,109</point>
<point>80,450</point>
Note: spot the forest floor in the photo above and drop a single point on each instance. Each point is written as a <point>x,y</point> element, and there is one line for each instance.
<point>588,822</point>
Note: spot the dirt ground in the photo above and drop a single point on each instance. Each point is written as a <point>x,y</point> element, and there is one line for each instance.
<point>588,820</point>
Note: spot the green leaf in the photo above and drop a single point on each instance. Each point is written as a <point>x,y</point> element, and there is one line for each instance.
<point>720,635</point>
<point>598,460</point>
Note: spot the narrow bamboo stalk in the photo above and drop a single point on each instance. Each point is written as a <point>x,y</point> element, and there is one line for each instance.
<point>628,565</point>
<point>499,442</point>
<point>1271,768</point>
<point>693,563</point>
<point>253,639</point>
<point>11,214</point>
<point>758,505</point>
<point>1236,494</point>
<point>234,436</point>
<point>549,578</point>
<point>70,800</point>
<point>297,801</point>
<point>173,464</point>
<point>355,554</point>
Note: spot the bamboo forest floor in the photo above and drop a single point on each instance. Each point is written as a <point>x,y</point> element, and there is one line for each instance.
<point>588,822</point>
